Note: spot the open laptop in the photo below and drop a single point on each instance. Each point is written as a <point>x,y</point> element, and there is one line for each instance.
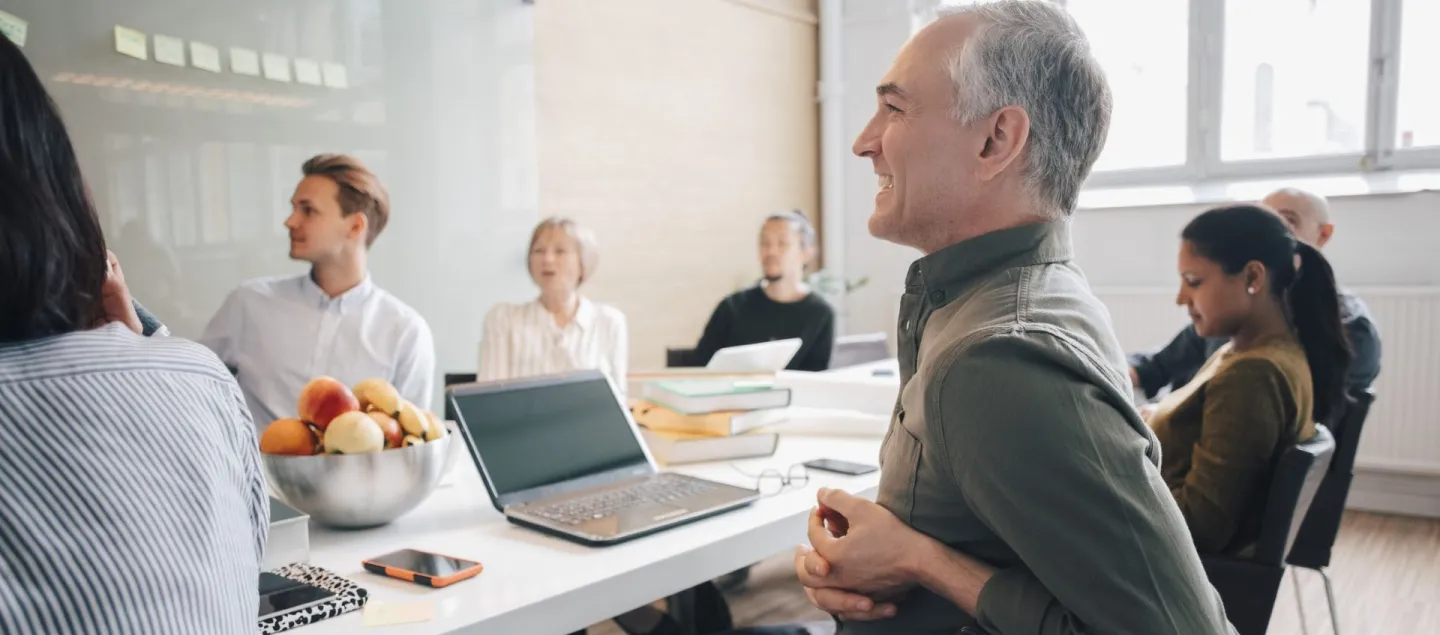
<point>561,454</point>
<point>764,357</point>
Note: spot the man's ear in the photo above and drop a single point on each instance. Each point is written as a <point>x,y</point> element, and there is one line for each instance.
<point>1007,131</point>
<point>1326,231</point>
<point>359,225</point>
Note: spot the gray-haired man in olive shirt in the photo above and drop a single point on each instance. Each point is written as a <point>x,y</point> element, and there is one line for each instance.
<point>1019,492</point>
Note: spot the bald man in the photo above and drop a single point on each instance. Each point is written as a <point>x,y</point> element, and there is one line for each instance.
<point>1308,216</point>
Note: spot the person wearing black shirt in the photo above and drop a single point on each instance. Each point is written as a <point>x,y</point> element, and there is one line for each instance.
<point>782,306</point>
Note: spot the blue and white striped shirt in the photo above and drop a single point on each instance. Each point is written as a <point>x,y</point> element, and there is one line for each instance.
<point>131,496</point>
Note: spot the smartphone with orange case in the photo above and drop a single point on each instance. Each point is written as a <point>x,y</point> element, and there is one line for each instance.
<point>423,568</point>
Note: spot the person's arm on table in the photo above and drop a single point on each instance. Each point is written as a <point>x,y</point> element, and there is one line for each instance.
<point>1156,369</point>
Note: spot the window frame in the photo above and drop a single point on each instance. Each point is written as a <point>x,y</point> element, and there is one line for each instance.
<point>1206,94</point>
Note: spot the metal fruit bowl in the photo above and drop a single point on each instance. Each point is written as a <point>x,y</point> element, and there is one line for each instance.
<point>355,491</point>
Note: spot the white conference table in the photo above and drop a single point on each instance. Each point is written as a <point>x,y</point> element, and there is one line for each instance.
<point>537,584</point>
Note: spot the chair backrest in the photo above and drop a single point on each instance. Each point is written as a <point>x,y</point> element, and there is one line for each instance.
<point>1292,488</point>
<point>452,379</point>
<point>680,358</point>
<point>1347,427</point>
<point>1322,523</point>
<point>459,378</point>
<point>854,350</point>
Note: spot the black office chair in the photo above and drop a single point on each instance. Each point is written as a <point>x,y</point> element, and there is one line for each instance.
<point>452,379</point>
<point>680,358</point>
<point>1248,586</point>
<point>854,350</point>
<point>1317,534</point>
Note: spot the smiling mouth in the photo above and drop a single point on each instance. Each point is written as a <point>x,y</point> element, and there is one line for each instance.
<point>886,182</point>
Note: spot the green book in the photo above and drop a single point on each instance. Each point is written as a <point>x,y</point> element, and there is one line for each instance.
<point>700,396</point>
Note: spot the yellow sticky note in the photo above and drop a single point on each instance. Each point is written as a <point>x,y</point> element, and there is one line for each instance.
<point>131,42</point>
<point>169,50</point>
<point>13,28</point>
<point>385,614</point>
<point>205,57</point>
<point>244,62</point>
<point>307,71</point>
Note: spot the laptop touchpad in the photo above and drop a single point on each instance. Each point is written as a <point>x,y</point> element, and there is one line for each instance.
<point>633,519</point>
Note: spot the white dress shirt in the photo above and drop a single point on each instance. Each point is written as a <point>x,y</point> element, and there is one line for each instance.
<point>276,334</point>
<point>522,340</point>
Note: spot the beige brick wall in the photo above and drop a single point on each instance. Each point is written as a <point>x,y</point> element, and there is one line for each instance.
<point>671,128</point>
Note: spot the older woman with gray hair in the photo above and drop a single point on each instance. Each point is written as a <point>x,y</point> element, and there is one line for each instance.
<point>561,330</point>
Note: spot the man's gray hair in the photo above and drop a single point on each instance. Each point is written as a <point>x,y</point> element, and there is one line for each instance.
<point>1032,54</point>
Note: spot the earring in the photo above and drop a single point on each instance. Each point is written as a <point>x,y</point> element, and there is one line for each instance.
<point>1250,290</point>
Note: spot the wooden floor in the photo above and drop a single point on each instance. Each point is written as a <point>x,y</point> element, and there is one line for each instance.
<point>1386,572</point>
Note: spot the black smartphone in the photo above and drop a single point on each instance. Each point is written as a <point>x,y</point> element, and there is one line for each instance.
<point>840,467</point>
<point>280,595</point>
<point>423,567</point>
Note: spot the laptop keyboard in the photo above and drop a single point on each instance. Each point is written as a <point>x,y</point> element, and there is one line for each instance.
<point>662,488</point>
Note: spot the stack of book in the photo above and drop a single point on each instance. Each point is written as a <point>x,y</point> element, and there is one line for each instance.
<point>710,419</point>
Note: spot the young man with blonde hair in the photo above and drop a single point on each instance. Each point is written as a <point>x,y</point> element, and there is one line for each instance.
<point>278,333</point>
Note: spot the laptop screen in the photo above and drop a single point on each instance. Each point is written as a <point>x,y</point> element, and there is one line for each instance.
<point>535,434</point>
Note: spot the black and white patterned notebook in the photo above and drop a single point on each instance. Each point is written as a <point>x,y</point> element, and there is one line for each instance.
<point>348,597</point>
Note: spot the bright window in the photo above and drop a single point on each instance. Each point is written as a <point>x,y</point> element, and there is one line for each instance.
<point>1295,77</point>
<point>1148,71</point>
<point>1418,115</point>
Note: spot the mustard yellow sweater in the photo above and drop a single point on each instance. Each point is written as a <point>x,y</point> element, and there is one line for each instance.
<point>1221,434</point>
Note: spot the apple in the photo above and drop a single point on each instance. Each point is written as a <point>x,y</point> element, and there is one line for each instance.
<point>378,394</point>
<point>289,436</point>
<point>325,398</point>
<point>388,425</point>
<point>354,433</point>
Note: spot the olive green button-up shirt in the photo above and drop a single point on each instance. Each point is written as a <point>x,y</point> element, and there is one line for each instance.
<point>1014,441</point>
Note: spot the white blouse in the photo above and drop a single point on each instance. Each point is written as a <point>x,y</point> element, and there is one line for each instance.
<point>522,340</point>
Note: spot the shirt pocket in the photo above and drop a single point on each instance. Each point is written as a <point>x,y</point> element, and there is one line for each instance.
<point>900,456</point>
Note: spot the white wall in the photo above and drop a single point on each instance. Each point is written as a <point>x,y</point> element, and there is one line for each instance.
<point>672,129</point>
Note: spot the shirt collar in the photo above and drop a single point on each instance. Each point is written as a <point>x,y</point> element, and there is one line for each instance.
<point>354,297</point>
<point>585,313</point>
<point>947,273</point>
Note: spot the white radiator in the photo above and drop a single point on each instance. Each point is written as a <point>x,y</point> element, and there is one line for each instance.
<point>1402,433</point>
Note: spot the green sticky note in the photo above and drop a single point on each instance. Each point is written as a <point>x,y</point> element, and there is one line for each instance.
<point>13,28</point>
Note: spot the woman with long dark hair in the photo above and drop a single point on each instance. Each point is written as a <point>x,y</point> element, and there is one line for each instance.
<point>1246,278</point>
<point>131,499</point>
